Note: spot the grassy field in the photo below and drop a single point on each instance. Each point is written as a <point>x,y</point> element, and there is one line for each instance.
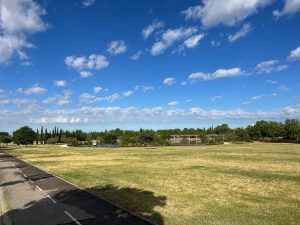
<point>255,183</point>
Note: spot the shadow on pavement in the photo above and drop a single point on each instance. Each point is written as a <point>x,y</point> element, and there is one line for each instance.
<point>43,212</point>
<point>140,201</point>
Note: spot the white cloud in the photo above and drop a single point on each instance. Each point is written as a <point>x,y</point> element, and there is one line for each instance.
<point>290,7</point>
<point>113,97</point>
<point>19,19</point>
<point>65,98</point>
<point>132,115</point>
<point>97,90</point>
<point>61,99</point>
<point>50,100</point>
<point>85,74</point>
<point>147,31</point>
<point>221,73</point>
<point>93,62</point>
<point>146,88</point>
<point>215,43</point>
<point>136,55</point>
<point>169,81</point>
<point>246,29</point>
<point>60,83</point>
<point>116,47</point>
<point>193,41</point>
<point>86,96</point>
<point>270,66</point>
<point>272,81</point>
<point>169,37</point>
<point>215,98</point>
<point>27,63</point>
<point>61,120</point>
<point>218,74</point>
<point>219,12</point>
<point>87,3</point>
<point>199,75</point>
<point>19,102</point>
<point>34,90</point>
<point>128,93</point>
<point>283,88</point>
<point>96,115</point>
<point>173,103</point>
<point>255,98</point>
<point>294,54</point>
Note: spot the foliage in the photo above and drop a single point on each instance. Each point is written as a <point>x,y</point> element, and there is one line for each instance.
<point>5,139</point>
<point>24,136</point>
<point>52,141</point>
<point>266,130</point>
<point>71,141</point>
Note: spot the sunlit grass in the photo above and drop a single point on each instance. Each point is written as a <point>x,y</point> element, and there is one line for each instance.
<point>255,183</point>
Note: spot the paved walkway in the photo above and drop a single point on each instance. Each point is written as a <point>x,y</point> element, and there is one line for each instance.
<point>38,198</point>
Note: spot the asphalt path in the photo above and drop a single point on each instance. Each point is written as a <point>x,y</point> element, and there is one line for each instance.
<point>35,197</point>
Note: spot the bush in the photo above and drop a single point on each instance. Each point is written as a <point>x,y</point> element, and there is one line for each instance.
<point>52,141</point>
<point>71,141</point>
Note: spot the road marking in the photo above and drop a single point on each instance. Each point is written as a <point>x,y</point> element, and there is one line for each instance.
<point>38,188</point>
<point>52,200</point>
<point>69,215</point>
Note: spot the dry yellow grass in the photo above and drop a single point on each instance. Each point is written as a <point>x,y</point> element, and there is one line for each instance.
<point>255,183</point>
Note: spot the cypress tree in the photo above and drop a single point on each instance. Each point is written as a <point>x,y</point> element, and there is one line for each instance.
<point>37,137</point>
<point>46,136</point>
<point>59,136</point>
<point>42,135</point>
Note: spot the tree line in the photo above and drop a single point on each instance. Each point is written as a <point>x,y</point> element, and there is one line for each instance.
<point>261,130</point>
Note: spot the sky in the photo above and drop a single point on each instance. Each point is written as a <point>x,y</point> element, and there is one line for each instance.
<point>130,64</point>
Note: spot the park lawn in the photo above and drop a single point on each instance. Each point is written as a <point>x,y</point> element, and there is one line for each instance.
<point>254,183</point>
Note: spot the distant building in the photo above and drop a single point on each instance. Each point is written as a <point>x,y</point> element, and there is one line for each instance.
<point>6,134</point>
<point>185,139</point>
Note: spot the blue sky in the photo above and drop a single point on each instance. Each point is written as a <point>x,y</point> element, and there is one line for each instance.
<point>96,65</point>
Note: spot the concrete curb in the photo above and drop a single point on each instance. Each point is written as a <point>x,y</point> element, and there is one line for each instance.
<point>110,202</point>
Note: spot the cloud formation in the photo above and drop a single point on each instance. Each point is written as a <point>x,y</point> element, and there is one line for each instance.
<point>290,7</point>
<point>84,65</point>
<point>169,81</point>
<point>218,74</point>
<point>244,31</point>
<point>87,3</point>
<point>112,115</point>
<point>169,37</point>
<point>19,19</point>
<point>150,29</point>
<point>60,83</point>
<point>116,47</point>
<point>219,12</point>
<point>34,90</point>
<point>294,54</point>
<point>270,66</point>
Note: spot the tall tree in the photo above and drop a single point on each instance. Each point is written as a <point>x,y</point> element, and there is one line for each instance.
<point>46,136</point>
<point>37,136</point>
<point>24,136</point>
<point>42,135</point>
